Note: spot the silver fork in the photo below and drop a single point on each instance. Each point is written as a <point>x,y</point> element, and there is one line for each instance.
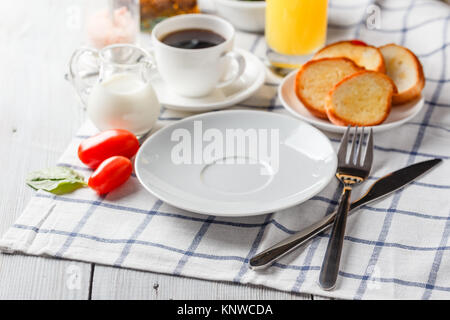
<point>350,172</point>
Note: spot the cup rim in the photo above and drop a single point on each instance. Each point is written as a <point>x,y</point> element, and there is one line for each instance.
<point>189,15</point>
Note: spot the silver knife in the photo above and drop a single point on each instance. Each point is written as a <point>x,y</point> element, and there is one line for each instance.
<point>379,189</point>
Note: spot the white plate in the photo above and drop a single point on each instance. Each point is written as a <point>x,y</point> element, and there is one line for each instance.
<point>305,165</point>
<point>398,116</point>
<point>252,79</point>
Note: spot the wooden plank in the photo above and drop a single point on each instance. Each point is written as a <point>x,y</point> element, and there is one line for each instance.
<point>113,283</point>
<point>23,277</point>
<point>37,121</point>
<point>321,298</point>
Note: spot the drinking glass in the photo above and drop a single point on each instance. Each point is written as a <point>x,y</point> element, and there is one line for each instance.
<point>295,29</point>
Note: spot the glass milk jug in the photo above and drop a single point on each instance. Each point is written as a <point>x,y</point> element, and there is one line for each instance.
<point>114,85</point>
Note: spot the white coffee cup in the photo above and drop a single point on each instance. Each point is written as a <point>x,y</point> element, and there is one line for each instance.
<point>196,72</point>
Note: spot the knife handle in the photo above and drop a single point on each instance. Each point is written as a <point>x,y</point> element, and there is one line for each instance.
<point>269,256</point>
<point>389,183</point>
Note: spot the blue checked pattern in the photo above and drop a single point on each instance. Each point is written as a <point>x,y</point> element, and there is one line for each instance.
<point>396,248</point>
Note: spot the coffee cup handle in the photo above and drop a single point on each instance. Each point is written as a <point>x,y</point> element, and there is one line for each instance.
<point>239,58</point>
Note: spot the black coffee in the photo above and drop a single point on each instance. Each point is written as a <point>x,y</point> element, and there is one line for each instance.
<point>193,39</point>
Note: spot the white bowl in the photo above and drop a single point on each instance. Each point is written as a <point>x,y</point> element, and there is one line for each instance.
<point>244,15</point>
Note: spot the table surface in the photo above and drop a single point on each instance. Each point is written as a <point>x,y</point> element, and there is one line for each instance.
<point>39,116</point>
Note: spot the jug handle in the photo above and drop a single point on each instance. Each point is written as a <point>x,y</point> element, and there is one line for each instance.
<point>149,63</point>
<point>82,87</point>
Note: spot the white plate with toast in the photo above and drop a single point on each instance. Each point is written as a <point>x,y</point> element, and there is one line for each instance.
<point>399,114</point>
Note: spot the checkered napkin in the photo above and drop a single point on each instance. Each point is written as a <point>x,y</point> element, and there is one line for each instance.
<point>396,248</point>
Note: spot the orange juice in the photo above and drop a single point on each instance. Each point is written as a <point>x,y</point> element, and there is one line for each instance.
<point>296,27</point>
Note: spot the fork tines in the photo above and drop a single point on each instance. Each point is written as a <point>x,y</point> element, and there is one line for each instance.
<point>356,150</point>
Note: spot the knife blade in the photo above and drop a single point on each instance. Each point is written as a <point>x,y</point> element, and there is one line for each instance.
<point>379,189</point>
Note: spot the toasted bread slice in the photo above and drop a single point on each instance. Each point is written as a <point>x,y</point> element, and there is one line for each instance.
<point>317,77</point>
<point>361,99</point>
<point>405,70</point>
<point>363,55</point>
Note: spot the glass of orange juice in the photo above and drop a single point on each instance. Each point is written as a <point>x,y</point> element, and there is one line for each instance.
<point>295,29</point>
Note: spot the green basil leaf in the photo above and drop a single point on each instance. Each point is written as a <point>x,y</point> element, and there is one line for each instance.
<point>57,180</point>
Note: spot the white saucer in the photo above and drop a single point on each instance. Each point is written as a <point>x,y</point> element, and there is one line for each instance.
<point>252,79</point>
<point>398,116</point>
<point>305,165</point>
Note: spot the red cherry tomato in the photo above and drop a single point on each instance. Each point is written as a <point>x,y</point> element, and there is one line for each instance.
<point>358,43</point>
<point>111,173</point>
<point>106,144</point>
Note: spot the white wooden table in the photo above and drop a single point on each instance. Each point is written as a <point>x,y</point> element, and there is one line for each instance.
<point>39,114</point>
